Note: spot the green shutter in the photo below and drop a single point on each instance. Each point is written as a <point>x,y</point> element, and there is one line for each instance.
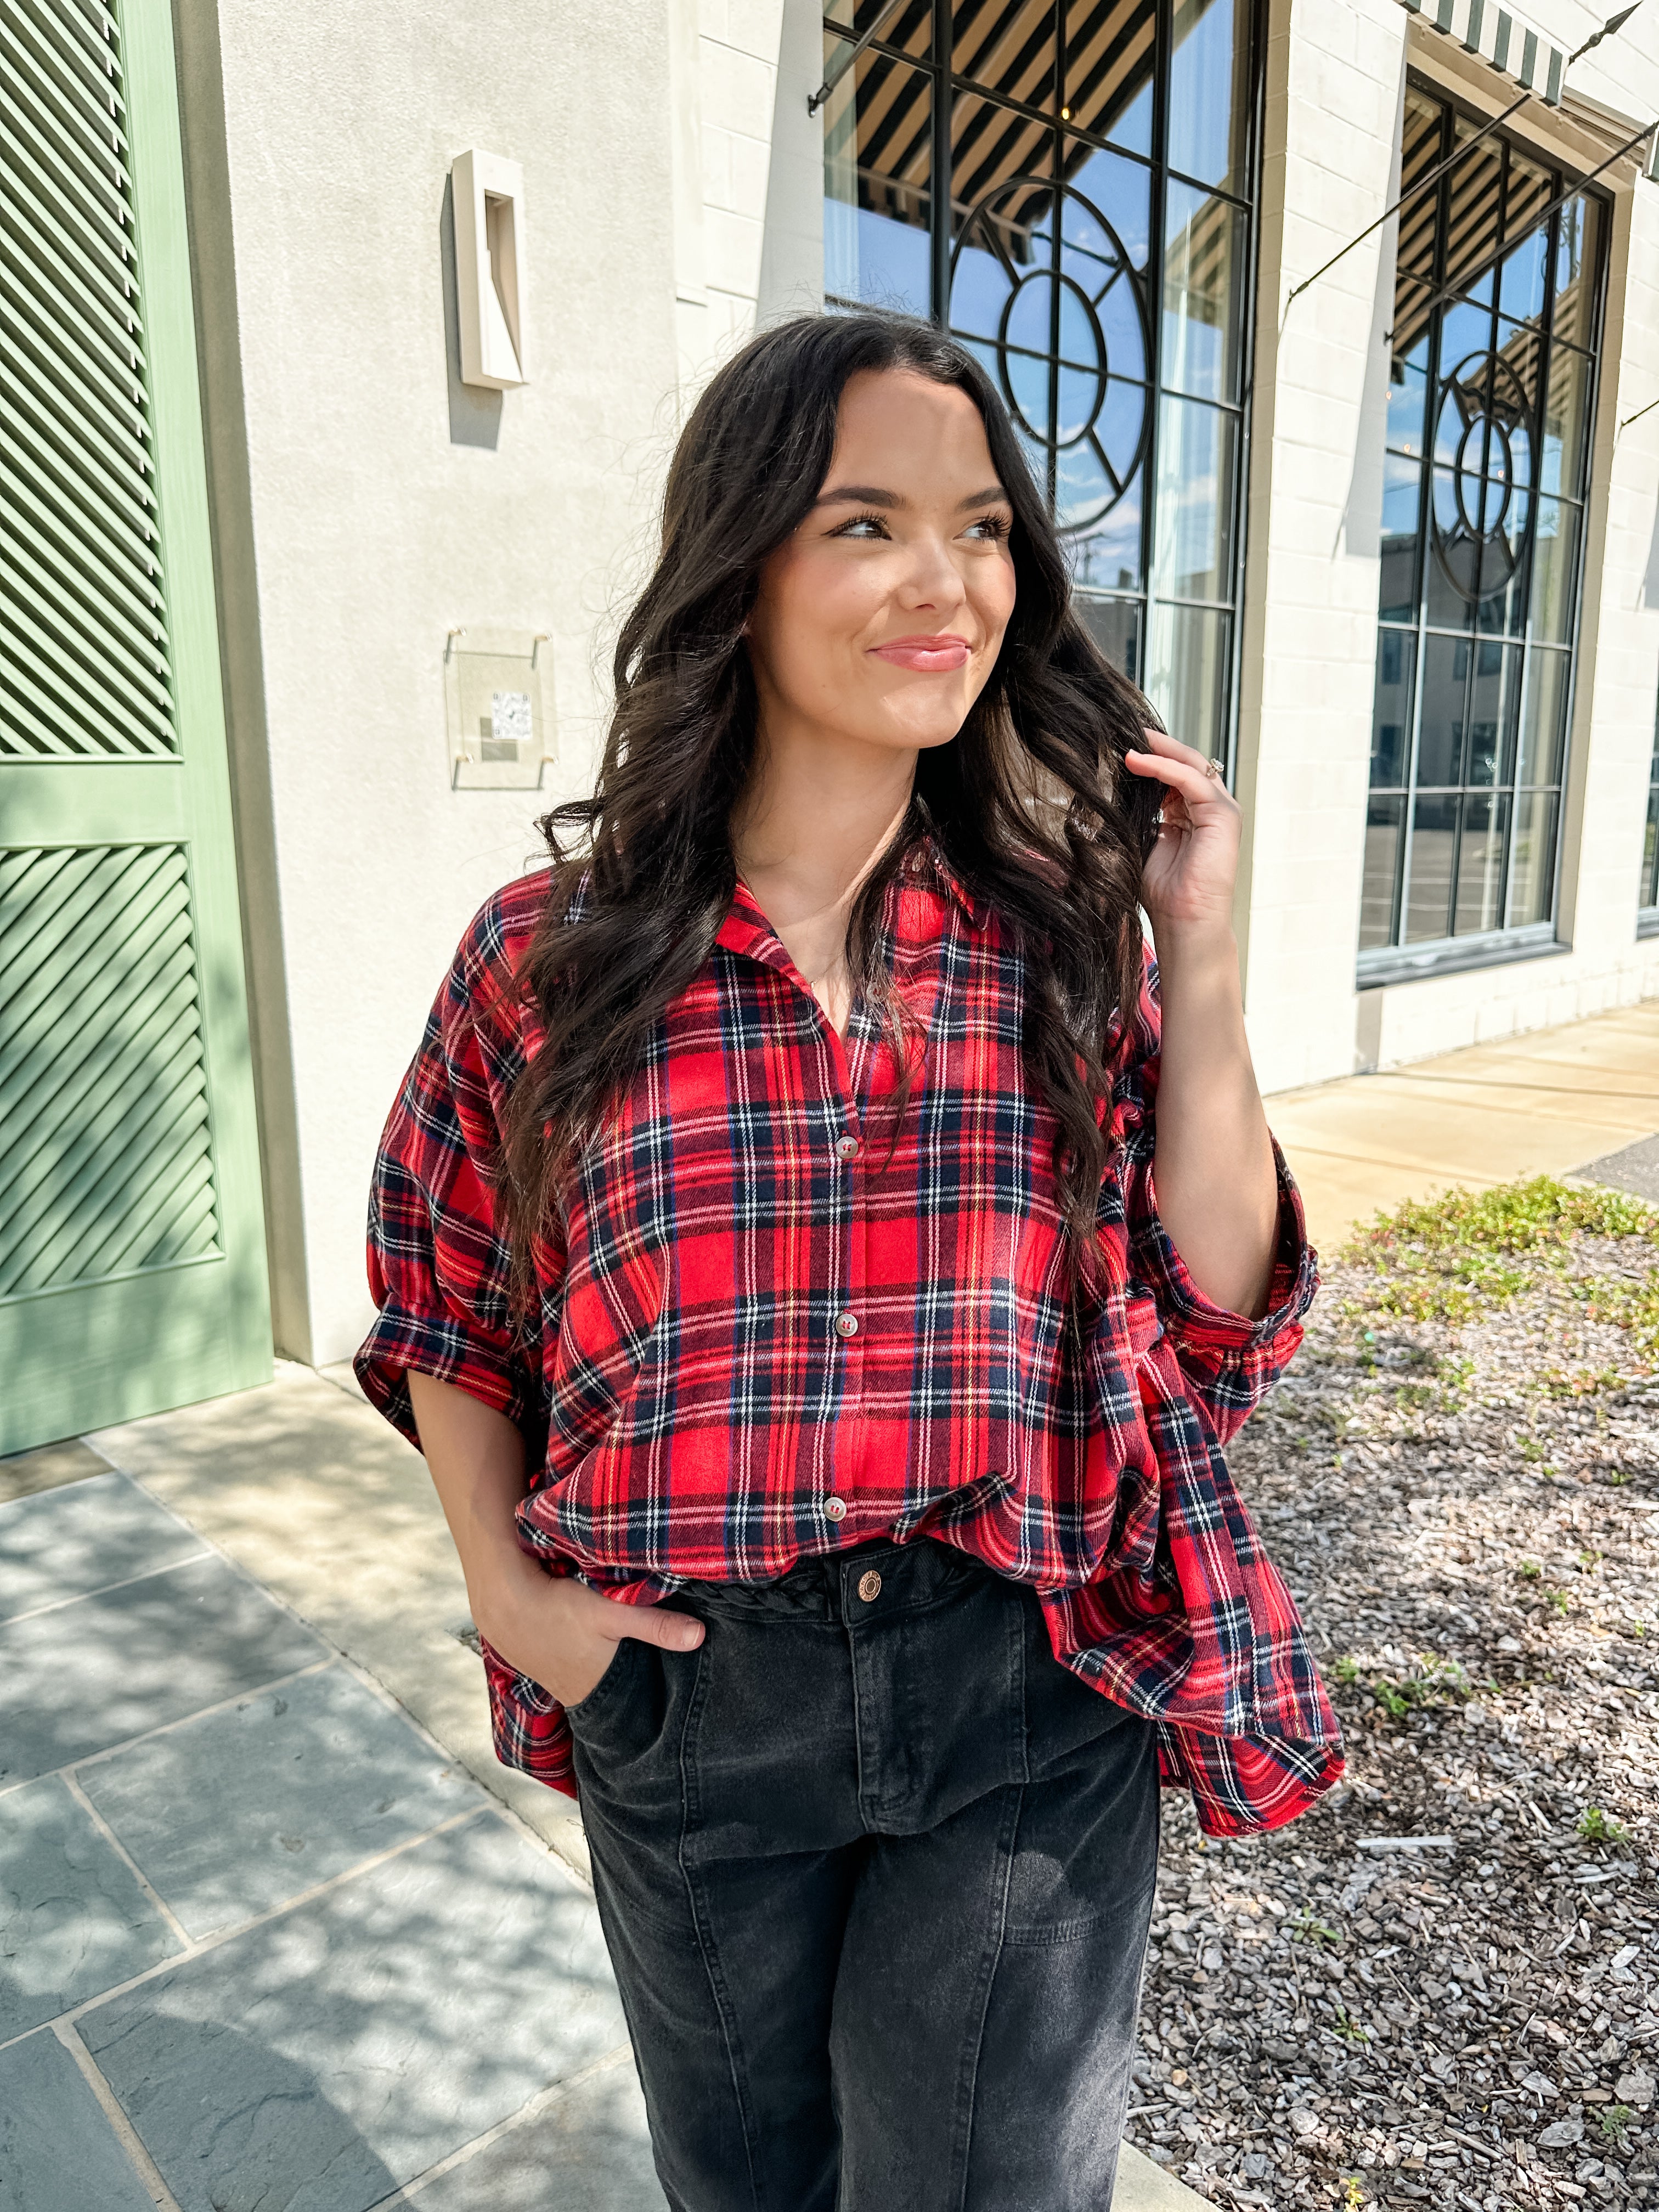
<point>132,1248</point>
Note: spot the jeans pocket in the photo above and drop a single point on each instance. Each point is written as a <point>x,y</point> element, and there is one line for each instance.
<point>583,1711</point>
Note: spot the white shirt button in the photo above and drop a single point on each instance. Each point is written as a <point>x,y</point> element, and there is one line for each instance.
<point>848,1148</point>
<point>847,1324</point>
<point>835,1509</point>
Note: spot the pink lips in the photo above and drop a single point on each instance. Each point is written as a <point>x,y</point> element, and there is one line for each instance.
<point>931,656</point>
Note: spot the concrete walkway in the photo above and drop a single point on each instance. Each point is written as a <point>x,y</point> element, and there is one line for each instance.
<point>275,1927</point>
<point>1543,1104</point>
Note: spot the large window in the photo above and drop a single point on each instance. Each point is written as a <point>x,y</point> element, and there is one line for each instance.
<point>1497,318</point>
<point>1647,900</point>
<point>1068,186</point>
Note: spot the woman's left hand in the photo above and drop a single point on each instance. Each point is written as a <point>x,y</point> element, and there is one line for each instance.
<point>1190,875</point>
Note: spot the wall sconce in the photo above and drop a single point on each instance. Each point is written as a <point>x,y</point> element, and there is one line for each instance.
<point>489,275</point>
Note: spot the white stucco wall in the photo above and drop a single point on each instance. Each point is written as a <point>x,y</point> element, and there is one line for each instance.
<point>378,503</point>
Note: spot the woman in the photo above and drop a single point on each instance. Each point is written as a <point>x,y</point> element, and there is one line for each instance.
<point>776,1221</point>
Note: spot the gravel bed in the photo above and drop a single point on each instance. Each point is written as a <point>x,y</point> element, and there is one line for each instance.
<point>1459,1477</point>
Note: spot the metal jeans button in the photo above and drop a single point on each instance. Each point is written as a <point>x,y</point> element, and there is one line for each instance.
<point>869,1587</point>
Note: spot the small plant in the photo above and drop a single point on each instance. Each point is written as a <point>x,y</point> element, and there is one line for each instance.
<point>1353,2195</point>
<point>1558,1600</point>
<point>1428,1681</point>
<point>1347,1669</point>
<point>1589,1561</point>
<point>1614,2121</point>
<point>1350,2029</point>
<point>1531,1450</point>
<point>1596,1826</point>
<point>1529,1570</point>
<point>1313,1931</point>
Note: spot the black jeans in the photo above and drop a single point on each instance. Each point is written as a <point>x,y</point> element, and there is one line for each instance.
<point>875,1874</point>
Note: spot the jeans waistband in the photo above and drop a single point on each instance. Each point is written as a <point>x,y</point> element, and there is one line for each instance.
<point>912,1577</point>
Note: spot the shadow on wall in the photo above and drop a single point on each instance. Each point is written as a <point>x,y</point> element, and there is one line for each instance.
<point>475,415</point>
<point>1650,581</point>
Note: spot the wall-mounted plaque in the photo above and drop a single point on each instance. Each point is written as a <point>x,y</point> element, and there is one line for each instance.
<point>499,708</point>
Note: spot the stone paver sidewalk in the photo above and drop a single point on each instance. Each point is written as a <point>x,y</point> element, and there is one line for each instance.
<point>274,1928</point>
<point>263,1940</point>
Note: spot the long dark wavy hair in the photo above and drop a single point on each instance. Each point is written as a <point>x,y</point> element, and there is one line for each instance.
<point>1030,804</point>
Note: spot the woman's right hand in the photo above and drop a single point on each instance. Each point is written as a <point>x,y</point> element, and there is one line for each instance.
<point>563,1635</point>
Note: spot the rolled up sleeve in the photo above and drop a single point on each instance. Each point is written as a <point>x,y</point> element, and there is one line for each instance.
<point>1230,1360</point>
<point>438,1260</point>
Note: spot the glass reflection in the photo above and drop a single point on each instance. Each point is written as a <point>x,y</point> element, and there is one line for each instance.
<point>1203,271</point>
<point>1566,416</point>
<point>1434,846</point>
<point>1121,190</point>
<point>1521,279</point>
<point>1544,724</point>
<point>1391,728</point>
<point>1116,627</point>
<point>1577,259</point>
<point>1111,53</point>
<point>877,202</point>
<point>1188,674</point>
<point>1553,561</point>
<point>1193,549</point>
<point>1209,102</point>
<point>1383,818</point>
<point>1494,693</point>
<point>1407,393</point>
<point>1107,557</point>
<point>1481,864</point>
<point>1440,734</point>
<point>1532,868</point>
<point>1009,50</point>
<point>1403,494</point>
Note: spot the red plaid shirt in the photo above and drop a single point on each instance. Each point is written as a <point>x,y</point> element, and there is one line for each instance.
<point>773,1326</point>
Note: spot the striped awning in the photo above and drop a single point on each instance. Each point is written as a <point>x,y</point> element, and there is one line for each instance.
<point>1502,37</point>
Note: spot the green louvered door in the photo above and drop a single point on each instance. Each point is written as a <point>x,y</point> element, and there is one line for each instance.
<point>132,1269</point>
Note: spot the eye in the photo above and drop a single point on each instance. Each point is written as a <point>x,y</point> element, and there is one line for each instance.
<point>990,529</point>
<point>862,525</point>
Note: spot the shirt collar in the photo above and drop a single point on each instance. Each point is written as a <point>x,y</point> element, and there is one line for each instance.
<point>746,930</point>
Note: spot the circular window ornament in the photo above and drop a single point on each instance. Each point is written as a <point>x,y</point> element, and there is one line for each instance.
<point>1483,497</point>
<point>1069,336</point>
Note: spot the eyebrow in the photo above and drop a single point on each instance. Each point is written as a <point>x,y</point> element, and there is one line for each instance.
<point>873,495</point>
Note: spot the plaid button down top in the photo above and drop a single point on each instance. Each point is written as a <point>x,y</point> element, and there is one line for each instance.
<point>778,1319</point>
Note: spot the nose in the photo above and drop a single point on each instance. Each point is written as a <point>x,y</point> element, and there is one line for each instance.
<point>931,578</point>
